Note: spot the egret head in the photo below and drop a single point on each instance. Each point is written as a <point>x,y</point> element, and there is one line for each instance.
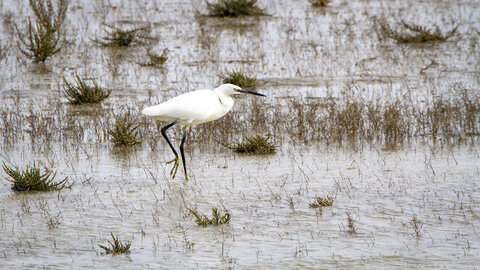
<point>231,89</point>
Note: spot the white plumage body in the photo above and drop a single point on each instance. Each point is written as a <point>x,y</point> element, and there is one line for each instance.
<point>192,108</point>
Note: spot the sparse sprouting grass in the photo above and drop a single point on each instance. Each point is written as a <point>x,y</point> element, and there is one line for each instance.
<point>417,226</point>
<point>31,179</point>
<point>118,37</point>
<point>413,33</point>
<point>351,225</point>
<point>125,131</point>
<point>156,60</point>
<point>321,202</point>
<point>116,247</point>
<point>254,145</point>
<point>42,39</point>
<point>453,116</point>
<point>234,8</point>
<point>217,219</point>
<point>81,93</point>
<point>319,3</point>
<point>240,79</point>
<point>53,222</point>
<point>469,106</point>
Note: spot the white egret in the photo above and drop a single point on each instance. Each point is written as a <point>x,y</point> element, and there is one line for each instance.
<point>194,108</point>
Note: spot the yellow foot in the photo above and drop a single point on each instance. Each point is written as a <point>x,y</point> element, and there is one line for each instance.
<point>187,177</point>
<point>175,162</point>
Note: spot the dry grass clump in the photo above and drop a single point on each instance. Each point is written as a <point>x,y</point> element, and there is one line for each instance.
<point>125,132</point>
<point>321,202</point>
<point>413,33</point>
<point>156,60</point>
<point>394,125</point>
<point>42,39</point>
<point>116,247</point>
<point>81,93</point>
<point>469,107</point>
<point>234,8</point>
<point>440,116</point>
<point>455,117</point>
<point>452,115</point>
<point>240,79</point>
<point>217,219</point>
<point>254,145</point>
<point>347,120</point>
<point>31,179</point>
<point>319,3</point>
<point>118,37</point>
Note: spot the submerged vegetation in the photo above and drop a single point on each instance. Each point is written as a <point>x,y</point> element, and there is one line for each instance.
<point>254,145</point>
<point>116,247</point>
<point>42,39</point>
<point>217,218</point>
<point>234,8</point>
<point>31,179</point>
<point>156,60</point>
<point>81,93</point>
<point>413,33</point>
<point>118,37</point>
<point>125,131</point>
<point>240,79</point>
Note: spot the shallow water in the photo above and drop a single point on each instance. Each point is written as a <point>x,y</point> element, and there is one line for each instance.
<point>268,198</point>
<point>297,51</point>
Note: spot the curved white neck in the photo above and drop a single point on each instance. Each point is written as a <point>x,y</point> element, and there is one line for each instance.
<point>226,102</point>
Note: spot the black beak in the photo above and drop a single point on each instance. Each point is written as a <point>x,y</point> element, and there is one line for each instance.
<point>250,92</point>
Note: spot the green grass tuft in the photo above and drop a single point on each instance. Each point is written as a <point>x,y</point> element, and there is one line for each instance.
<point>81,93</point>
<point>413,33</point>
<point>116,247</point>
<point>118,37</point>
<point>31,179</point>
<point>239,78</point>
<point>254,145</point>
<point>156,60</point>
<point>217,219</point>
<point>234,8</point>
<point>42,39</point>
<point>125,131</point>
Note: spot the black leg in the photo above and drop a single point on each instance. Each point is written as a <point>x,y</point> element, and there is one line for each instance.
<point>183,152</point>
<point>164,129</point>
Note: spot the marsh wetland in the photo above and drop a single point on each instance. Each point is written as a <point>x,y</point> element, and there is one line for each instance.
<point>369,131</point>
